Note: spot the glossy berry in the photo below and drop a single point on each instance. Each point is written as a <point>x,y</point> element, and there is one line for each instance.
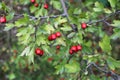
<point>50,38</point>
<point>39,52</point>
<point>79,47</point>
<point>36,4</point>
<point>74,48</point>
<point>70,52</point>
<point>32,1</point>
<point>3,20</point>
<point>83,25</point>
<point>53,36</point>
<point>58,34</point>
<point>46,6</point>
<point>58,47</point>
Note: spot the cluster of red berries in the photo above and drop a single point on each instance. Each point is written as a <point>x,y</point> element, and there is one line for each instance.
<point>54,36</point>
<point>39,51</point>
<point>36,4</point>
<point>3,19</point>
<point>83,25</point>
<point>75,49</point>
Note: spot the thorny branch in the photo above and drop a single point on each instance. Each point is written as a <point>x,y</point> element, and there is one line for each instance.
<point>113,75</point>
<point>104,19</point>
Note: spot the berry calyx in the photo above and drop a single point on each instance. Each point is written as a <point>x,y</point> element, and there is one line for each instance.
<point>38,51</point>
<point>3,19</point>
<point>32,1</point>
<point>79,47</point>
<point>74,48</point>
<point>36,4</point>
<point>58,47</point>
<point>83,25</point>
<point>53,37</point>
<point>58,34</point>
<point>46,6</point>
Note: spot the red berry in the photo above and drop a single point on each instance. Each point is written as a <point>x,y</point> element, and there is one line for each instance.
<point>50,38</point>
<point>38,51</point>
<point>58,47</point>
<point>108,74</point>
<point>79,47</point>
<point>32,1</point>
<point>46,6</point>
<point>83,25</point>
<point>36,4</point>
<point>3,19</point>
<point>15,51</point>
<point>70,52</point>
<point>50,59</point>
<point>53,36</point>
<point>58,34</point>
<point>42,52</point>
<point>74,48</point>
<point>62,78</point>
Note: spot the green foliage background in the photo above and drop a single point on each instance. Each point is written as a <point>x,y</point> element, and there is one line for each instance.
<point>26,30</point>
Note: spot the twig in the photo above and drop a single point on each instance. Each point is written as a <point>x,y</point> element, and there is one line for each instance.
<point>67,16</point>
<point>104,19</point>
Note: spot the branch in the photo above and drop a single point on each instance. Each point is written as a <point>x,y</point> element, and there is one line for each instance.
<point>67,16</point>
<point>42,17</point>
<point>113,75</point>
<point>104,19</point>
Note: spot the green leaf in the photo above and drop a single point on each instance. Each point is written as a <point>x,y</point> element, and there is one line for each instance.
<point>72,67</point>
<point>56,4</point>
<point>113,3</point>
<point>10,16</point>
<point>116,34</point>
<point>116,23</point>
<point>49,28</point>
<point>59,69</point>
<point>113,63</point>
<point>25,51</point>
<point>11,76</point>
<point>8,26</point>
<point>105,44</point>
<point>31,56</point>
<point>22,22</point>
<point>98,7</point>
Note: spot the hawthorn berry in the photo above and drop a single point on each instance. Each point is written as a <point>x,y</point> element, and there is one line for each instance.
<point>50,38</point>
<point>83,25</point>
<point>36,4</point>
<point>58,47</point>
<point>32,1</point>
<point>108,74</point>
<point>49,59</point>
<point>38,51</point>
<point>15,51</point>
<point>3,19</point>
<point>53,37</point>
<point>79,47</point>
<point>58,34</point>
<point>70,52</point>
<point>74,48</point>
<point>46,6</point>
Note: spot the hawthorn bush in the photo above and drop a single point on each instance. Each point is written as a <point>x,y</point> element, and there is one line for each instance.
<point>60,39</point>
